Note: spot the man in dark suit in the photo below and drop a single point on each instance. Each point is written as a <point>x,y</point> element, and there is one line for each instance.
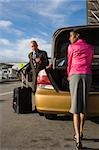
<point>38,61</point>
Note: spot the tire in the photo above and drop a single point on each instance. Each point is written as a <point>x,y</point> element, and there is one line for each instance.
<point>51,116</point>
<point>41,114</point>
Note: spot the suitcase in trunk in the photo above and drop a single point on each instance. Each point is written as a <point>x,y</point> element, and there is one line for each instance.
<point>22,100</point>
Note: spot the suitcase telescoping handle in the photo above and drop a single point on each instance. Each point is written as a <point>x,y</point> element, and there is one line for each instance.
<point>24,79</point>
<point>27,84</point>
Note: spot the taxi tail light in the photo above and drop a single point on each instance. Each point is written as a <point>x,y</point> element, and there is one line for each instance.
<point>43,81</point>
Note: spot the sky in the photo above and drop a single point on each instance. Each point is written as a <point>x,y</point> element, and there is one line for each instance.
<point>24,20</point>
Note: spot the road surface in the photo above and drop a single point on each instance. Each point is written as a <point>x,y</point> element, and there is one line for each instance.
<point>34,132</point>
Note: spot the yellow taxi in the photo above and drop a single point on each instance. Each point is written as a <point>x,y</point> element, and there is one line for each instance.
<point>52,96</point>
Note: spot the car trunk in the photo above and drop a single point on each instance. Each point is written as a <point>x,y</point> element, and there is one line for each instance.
<point>58,74</point>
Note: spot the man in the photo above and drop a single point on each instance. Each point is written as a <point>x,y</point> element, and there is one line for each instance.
<point>38,61</point>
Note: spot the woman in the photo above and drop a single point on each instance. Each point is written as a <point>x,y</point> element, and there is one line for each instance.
<point>80,56</point>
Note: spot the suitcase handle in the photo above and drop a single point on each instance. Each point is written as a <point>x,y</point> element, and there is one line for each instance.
<point>26,81</point>
<point>23,78</point>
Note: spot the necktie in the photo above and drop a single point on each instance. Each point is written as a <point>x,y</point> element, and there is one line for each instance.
<point>34,54</point>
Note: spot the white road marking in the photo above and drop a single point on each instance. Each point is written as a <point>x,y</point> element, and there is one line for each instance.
<point>6,93</point>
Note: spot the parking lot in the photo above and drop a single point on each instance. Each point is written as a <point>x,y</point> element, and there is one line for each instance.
<point>34,132</point>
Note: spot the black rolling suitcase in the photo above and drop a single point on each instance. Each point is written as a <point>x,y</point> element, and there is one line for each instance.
<point>22,99</point>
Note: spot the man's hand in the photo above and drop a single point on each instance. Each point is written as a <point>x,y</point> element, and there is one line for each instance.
<point>50,65</point>
<point>38,60</point>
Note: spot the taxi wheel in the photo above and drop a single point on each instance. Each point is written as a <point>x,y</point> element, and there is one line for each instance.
<point>50,116</point>
<point>41,114</point>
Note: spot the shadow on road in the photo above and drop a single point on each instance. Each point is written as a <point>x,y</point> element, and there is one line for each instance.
<point>2,100</point>
<point>94,140</point>
<point>84,139</point>
<point>95,120</point>
<point>86,148</point>
<point>10,81</point>
<point>64,118</point>
<point>69,118</point>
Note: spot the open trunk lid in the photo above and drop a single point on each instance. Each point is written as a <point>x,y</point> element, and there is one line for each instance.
<point>60,40</point>
<point>60,44</point>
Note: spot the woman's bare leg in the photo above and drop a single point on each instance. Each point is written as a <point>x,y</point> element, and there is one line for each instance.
<point>76,122</point>
<point>82,121</point>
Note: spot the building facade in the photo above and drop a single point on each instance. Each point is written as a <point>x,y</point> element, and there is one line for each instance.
<point>92,12</point>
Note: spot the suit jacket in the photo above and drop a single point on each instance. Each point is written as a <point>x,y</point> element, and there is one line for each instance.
<point>43,57</point>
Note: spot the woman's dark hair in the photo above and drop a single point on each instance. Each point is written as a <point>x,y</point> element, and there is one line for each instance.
<point>77,31</point>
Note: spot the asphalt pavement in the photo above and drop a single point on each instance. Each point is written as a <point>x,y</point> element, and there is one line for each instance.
<point>34,132</point>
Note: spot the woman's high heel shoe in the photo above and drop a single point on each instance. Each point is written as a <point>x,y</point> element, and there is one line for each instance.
<point>78,145</point>
<point>81,137</point>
